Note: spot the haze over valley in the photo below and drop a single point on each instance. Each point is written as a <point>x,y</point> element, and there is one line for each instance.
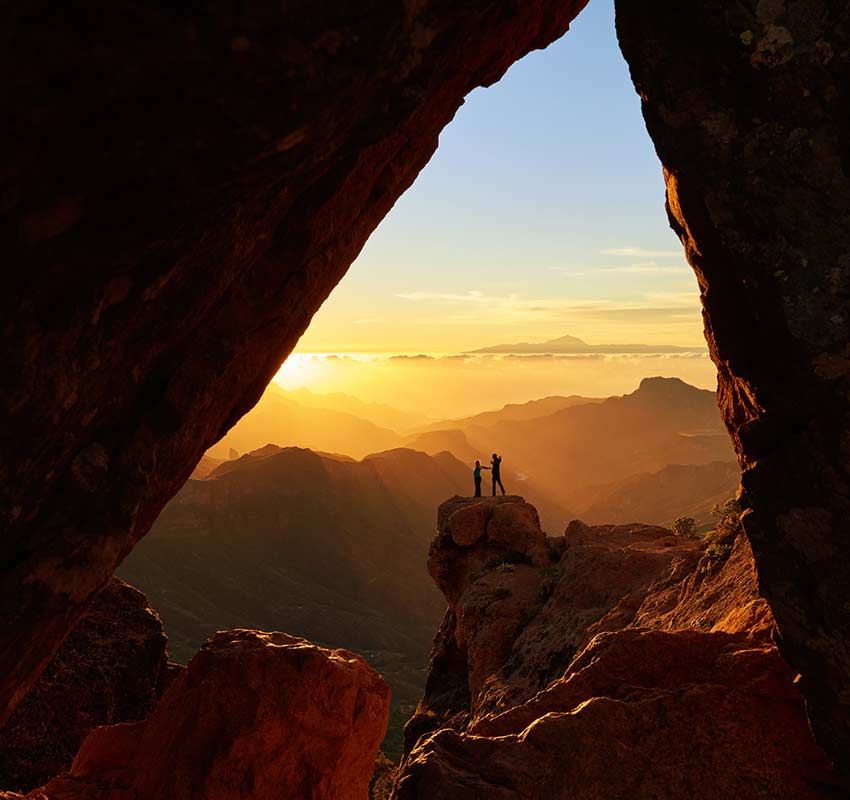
<point>314,514</point>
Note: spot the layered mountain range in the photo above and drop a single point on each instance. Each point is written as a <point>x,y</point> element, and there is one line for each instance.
<point>330,547</point>
<point>320,546</point>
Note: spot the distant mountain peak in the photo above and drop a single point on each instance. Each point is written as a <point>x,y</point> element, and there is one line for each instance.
<point>659,384</point>
<point>567,339</point>
<point>573,345</point>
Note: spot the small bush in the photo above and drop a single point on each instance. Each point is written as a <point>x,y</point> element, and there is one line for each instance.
<point>715,554</point>
<point>728,511</point>
<point>383,778</point>
<point>515,557</point>
<point>509,558</point>
<point>504,567</point>
<point>686,527</point>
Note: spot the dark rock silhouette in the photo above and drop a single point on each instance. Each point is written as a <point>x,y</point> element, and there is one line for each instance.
<point>633,664</point>
<point>742,105</point>
<point>112,668</point>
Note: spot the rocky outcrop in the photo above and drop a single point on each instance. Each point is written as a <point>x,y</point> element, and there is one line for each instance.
<point>181,187</point>
<point>255,715</point>
<point>112,668</point>
<point>629,663</point>
<point>745,103</point>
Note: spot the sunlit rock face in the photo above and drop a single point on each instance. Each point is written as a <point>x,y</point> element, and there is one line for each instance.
<point>628,663</point>
<point>254,715</point>
<point>112,668</point>
<point>182,185</point>
<point>746,104</point>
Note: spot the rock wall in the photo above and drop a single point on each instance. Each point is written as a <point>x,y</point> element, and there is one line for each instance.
<point>182,186</point>
<point>254,715</point>
<point>747,104</point>
<point>112,668</point>
<point>615,661</point>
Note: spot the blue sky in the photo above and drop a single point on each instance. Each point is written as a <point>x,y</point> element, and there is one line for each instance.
<point>542,213</point>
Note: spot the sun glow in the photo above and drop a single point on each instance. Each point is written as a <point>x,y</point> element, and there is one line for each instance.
<point>297,371</point>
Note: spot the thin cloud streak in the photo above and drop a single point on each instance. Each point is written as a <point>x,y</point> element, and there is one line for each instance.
<point>639,252</point>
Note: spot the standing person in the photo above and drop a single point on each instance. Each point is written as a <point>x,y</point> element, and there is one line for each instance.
<point>476,475</point>
<point>496,463</point>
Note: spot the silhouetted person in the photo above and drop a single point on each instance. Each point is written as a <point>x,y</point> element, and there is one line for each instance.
<point>476,475</point>
<point>496,463</point>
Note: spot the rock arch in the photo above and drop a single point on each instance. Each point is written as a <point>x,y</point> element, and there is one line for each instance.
<point>183,185</point>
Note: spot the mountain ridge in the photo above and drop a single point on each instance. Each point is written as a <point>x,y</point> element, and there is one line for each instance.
<point>572,344</point>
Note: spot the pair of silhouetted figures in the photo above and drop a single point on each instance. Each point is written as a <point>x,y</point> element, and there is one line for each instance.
<point>495,472</point>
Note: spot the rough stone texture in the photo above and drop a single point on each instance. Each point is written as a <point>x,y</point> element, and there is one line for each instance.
<point>255,715</point>
<point>181,187</point>
<point>638,665</point>
<point>112,668</point>
<point>748,104</point>
<point>472,533</point>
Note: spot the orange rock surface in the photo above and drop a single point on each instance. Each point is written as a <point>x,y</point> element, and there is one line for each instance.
<point>255,715</point>
<point>635,664</point>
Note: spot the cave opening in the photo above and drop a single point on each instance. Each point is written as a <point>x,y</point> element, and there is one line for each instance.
<point>170,259</point>
<point>539,219</point>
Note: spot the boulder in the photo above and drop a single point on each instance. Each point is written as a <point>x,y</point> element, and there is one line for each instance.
<point>255,715</point>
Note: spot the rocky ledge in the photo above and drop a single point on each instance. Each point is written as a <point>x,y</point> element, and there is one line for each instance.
<point>614,661</point>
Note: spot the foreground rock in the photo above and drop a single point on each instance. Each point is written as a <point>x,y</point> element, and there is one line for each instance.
<point>255,715</point>
<point>110,669</point>
<point>633,664</point>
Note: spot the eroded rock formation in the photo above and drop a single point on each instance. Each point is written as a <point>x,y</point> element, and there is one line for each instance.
<point>259,715</point>
<point>615,661</point>
<point>111,669</point>
<point>747,106</point>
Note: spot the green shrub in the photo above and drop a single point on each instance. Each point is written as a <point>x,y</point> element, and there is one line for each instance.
<point>383,778</point>
<point>686,527</point>
<point>715,554</point>
<point>728,511</point>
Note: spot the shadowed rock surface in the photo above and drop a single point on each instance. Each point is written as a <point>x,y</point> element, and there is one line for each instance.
<point>182,185</point>
<point>747,106</point>
<point>634,664</point>
<point>112,668</point>
<point>259,715</point>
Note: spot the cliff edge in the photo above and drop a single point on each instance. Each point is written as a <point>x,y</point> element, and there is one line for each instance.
<point>613,661</point>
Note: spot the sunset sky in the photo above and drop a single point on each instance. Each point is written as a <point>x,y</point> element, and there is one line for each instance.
<point>541,214</point>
